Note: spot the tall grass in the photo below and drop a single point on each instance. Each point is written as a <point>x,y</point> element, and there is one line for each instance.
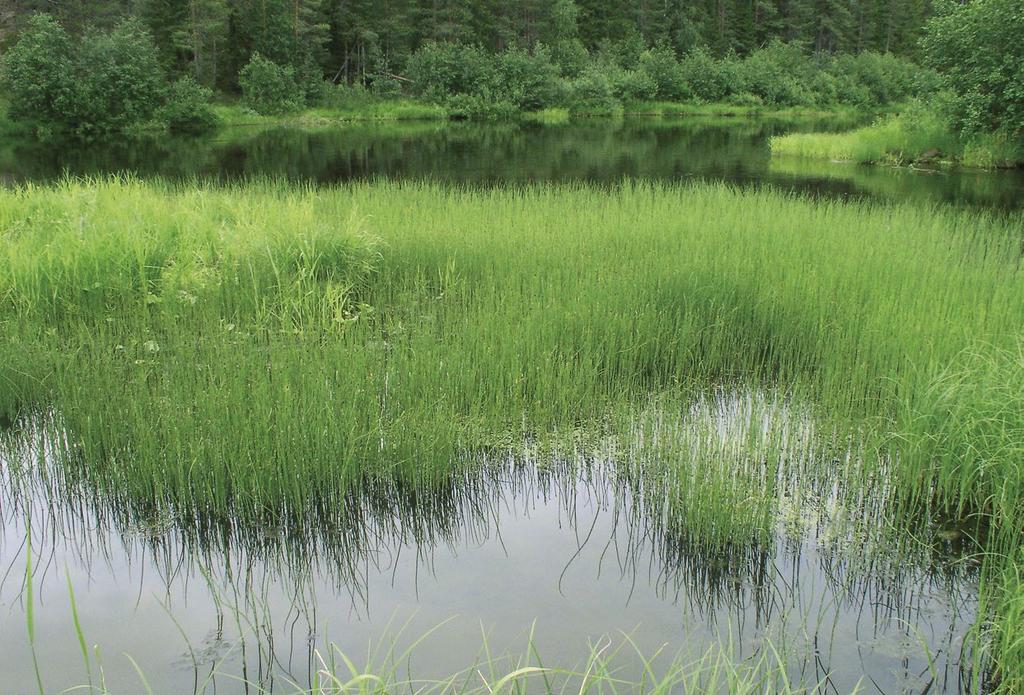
<point>915,135</point>
<point>261,353</point>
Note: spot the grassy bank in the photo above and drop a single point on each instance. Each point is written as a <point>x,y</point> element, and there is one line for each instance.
<point>383,110</point>
<point>668,109</point>
<point>909,138</point>
<point>259,354</point>
<point>412,110</point>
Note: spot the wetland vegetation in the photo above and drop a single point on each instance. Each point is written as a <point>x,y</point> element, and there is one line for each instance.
<point>480,347</point>
<point>262,355</point>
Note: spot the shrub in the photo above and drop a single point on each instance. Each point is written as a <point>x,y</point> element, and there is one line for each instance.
<point>528,80</point>
<point>662,69</point>
<point>440,70</point>
<point>746,99</point>
<point>118,78</point>
<point>386,87</point>
<point>36,73</point>
<point>109,80</point>
<point>875,78</point>
<point>343,96</point>
<point>977,47</point>
<point>269,88</point>
<point>708,79</point>
<point>591,94</point>
<point>570,56</point>
<point>781,74</point>
<point>476,106</point>
<point>632,85</point>
<point>188,108</point>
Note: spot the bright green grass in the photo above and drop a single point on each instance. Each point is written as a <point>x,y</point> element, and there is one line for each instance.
<point>670,108</point>
<point>903,139</point>
<point>259,353</point>
<point>383,110</point>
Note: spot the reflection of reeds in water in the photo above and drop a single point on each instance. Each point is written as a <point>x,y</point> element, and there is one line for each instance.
<point>650,486</point>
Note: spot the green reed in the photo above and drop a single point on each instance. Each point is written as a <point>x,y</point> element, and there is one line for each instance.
<point>260,353</point>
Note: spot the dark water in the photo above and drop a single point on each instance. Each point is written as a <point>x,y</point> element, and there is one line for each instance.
<point>570,555</point>
<point>733,150</point>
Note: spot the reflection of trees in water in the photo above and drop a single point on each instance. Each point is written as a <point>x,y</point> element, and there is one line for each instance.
<point>608,151</point>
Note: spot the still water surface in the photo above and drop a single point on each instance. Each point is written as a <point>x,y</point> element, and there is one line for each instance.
<point>607,151</point>
<point>568,554</point>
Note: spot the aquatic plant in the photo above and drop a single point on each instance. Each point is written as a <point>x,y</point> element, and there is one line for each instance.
<point>257,354</point>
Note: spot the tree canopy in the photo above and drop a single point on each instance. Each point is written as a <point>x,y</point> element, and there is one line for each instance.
<point>212,40</point>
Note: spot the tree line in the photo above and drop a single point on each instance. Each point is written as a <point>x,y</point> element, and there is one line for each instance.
<point>353,40</point>
<point>106,65</point>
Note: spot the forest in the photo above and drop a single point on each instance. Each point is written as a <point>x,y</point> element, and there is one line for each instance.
<point>94,68</point>
<point>214,39</point>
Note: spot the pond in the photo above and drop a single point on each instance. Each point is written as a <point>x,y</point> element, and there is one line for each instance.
<point>733,150</point>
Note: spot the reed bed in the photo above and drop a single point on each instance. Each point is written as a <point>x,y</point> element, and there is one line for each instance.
<point>918,135</point>
<point>262,352</point>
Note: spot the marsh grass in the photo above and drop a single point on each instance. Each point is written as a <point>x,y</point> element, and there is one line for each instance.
<point>257,354</point>
<point>372,110</point>
<point>916,135</point>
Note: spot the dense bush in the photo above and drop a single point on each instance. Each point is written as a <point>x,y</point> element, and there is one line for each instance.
<point>36,74</point>
<point>440,70</point>
<point>591,94</point>
<point>466,78</point>
<point>707,78</point>
<point>187,109</point>
<point>386,87</point>
<point>118,79</point>
<point>570,56</point>
<point>879,78</point>
<point>662,69</point>
<point>528,80</point>
<point>105,81</point>
<point>629,85</point>
<point>344,96</point>
<point>475,106</point>
<point>781,75</point>
<point>269,88</point>
<point>979,49</point>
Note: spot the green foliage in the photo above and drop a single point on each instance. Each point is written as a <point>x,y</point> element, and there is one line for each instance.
<point>269,88</point>
<point>439,70</point>
<point>37,74</point>
<point>570,56</point>
<point>592,94</point>
<point>708,79</point>
<point>631,85</point>
<point>977,47</point>
<point>119,81</point>
<point>472,82</point>
<point>871,79</point>
<point>476,106</point>
<point>661,67</point>
<point>188,109</point>
<point>781,74</point>
<point>386,87</point>
<point>106,81</point>
<point>530,81</point>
